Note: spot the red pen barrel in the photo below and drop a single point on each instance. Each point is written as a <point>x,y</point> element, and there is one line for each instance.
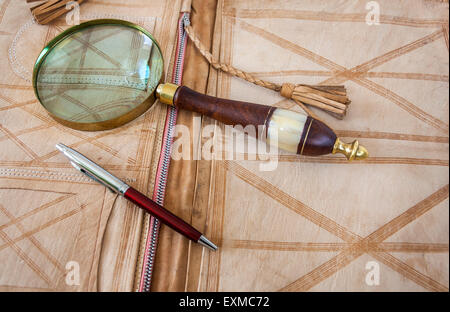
<point>162,214</point>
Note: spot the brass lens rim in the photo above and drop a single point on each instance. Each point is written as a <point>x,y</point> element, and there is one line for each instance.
<point>106,124</point>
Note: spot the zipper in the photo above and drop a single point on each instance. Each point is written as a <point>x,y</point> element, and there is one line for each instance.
<point>163,167</point>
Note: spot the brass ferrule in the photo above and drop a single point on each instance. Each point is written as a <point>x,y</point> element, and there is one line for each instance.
<point>351,150</point>
<point>165,93</point>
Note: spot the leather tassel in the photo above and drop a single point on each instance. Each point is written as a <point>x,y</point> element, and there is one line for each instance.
<point>331,99</point>
<point>47,11</point>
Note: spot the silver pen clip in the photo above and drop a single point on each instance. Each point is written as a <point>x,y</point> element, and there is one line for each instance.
<point>92,170</point>
<point>92,177</point>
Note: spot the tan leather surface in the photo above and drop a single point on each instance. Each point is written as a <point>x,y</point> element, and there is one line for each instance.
<point>51,215</point>
<point>321,224</point>
<point>173,249</point>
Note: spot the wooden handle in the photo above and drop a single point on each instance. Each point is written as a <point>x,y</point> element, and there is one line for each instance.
<point>288,130</point>
<point>226,111</point>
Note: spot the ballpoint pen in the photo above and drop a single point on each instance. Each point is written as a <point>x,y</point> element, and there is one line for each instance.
<point>97,173</point>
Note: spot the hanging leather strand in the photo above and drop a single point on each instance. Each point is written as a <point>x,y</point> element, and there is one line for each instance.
<point>331,99</point>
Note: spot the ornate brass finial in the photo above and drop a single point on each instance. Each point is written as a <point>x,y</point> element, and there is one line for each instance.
<point>351,151</point>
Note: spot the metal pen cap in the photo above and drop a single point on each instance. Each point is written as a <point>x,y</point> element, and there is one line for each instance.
<point>92,170</point>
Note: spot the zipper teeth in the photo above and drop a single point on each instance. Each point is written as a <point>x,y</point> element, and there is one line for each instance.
<point>180,56</point>
<point>151,255</point>
<point>160,192</point>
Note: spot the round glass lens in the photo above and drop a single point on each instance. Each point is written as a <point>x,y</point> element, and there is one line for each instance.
<point>98,73</point>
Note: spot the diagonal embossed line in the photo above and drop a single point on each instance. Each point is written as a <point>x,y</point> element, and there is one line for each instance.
<point>371,74</point>
<point>354,75</point>
<point>322,272</point>
<point>16,105</point>
<point>410,273</point>
<point>410,215</point>
<point>83,106</point>
<point>81,47</point>
<point>400,222</point>
<point>124,102</point>
<point>336,263</point>
<point>13,103</point>
<point>28,261</point>
<point>42,227</point>
<point>332,247</point>
<point>391,96</point>
<point>34,241</point>
<point>13,243</point>
<point>291,202</point>
<point>94,49</point>
<point>318,58</point>
<point>51,33</point>
<point>288,45</point>
<point>19,143</point>
<point>330,267</point>
<point>113,152</point>
<point>386,57</point>
<point>78,134</point>
<point>343,259</point>
<point>85,49</point>
<point>334,17</point>
<point>36,210</point>
<point>3,7</point>
<point>445,31</point>
<point>403,103</point>
<point>28,130</point>
<point>333,265</point>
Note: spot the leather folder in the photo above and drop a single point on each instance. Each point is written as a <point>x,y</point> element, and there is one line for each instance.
<point>311,224</point>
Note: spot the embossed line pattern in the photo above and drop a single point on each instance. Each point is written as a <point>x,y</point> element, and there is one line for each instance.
<point>38,165</point>
<point>353,245</point>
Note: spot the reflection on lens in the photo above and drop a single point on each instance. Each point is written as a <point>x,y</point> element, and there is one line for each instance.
<point>99,73</point>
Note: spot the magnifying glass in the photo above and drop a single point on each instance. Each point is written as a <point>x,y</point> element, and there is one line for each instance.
<point>104,73</point>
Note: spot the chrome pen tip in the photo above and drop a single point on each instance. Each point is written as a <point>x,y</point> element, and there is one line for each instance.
<point>207,243</point>
<point>61,147</point>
